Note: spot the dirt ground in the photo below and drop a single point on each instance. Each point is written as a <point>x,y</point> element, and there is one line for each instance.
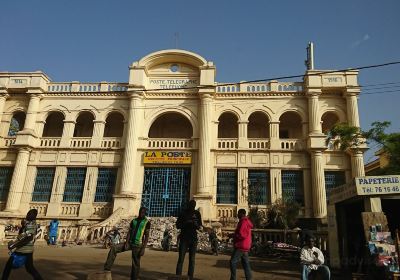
<point>76,262</point>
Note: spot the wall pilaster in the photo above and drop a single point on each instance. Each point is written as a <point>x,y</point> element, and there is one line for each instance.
<point>86,208</point>
<point>242,140</point>
<point>57,191</point>
<point>276,184</point>
<point>274,135</point>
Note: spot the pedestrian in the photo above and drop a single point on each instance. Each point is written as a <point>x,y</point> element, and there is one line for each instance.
<point>24,251</point>
<point>312,261</point>
<point>189,221</point>
<point>136,240</point>
<point>53,231</point>
<point>242,245</point>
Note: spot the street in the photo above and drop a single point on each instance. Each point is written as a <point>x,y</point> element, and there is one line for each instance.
<point>76,262</point>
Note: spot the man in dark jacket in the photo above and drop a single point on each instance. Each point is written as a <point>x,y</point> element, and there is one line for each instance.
<point>189,221</point>
<point>242,245</point>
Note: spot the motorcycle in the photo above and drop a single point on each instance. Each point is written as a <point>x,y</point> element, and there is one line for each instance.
<point>112,238</point>
<point>166,241</point>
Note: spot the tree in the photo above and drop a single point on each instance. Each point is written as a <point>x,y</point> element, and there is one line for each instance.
<point>283,214</point>
<point>348,137</point>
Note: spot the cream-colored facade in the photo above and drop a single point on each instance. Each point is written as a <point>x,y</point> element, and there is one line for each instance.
<point>172,103</point>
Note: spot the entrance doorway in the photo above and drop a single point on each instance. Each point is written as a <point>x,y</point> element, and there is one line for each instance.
<point>165,190</point>
<point>391,208</point>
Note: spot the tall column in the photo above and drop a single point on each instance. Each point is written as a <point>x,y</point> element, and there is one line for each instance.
<point>98,132</point>
<point>27,191</point>
<point>242,140</point>
<point>17,181</point>
<point>313,110</point>
<point>204,164</point>
<point>132,142</point>
<point>318,184</point>
<point>274,135</point>
<point>68,133</point>
<point>33,108</point>
<point>352,107</point>
<point>357,164</point>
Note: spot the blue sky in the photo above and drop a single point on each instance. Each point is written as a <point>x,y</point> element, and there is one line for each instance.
<point>97,40</point>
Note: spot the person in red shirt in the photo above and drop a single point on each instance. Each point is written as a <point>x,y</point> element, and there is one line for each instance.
<point>242,244</point>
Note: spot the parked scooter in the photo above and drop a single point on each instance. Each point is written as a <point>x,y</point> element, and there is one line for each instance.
<point>166,241</point>
<point>113,237</point>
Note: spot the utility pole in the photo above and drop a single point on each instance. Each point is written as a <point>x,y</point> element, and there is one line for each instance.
<point>310,56</point>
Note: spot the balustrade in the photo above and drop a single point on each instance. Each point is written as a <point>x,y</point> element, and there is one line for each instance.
<point>70,209</point>
<point>81,142</point>
<point>260,87</point>
<point>86,87</point>
<point>291,144</point>
<point>111,142</point>
<point>102,210</point>
<point>227,143</point>
<point>50,142</point>
<point>256,144</point>
<point>40,207</point>
<point>162,143</point>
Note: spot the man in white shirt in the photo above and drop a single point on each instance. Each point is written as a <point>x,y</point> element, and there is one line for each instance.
<point>312,260</point>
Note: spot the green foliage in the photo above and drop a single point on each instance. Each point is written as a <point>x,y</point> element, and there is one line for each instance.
<point>389,143</point>
<point>257,217</point>
<point>283,214</point>
<point>347,136</point>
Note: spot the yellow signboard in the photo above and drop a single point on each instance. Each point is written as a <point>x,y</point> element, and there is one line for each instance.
<point>167,157</point>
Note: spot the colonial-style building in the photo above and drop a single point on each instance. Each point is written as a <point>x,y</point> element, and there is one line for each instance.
<point>77,150</point>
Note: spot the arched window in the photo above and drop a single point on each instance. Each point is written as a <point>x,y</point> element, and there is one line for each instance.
<point>228,126</point>
<point>290,126</point>
<point>84,125</point>
<point>114,125</point>
<point>54,125</point>
<point>171,125</point>
<point>17,123</point>
<point>258,126</point>
<point>329,119</point>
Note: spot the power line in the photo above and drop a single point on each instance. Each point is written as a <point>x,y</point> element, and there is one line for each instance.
<point>373,85</point>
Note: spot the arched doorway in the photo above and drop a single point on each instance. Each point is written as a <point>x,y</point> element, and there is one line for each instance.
<point>166,184</point>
